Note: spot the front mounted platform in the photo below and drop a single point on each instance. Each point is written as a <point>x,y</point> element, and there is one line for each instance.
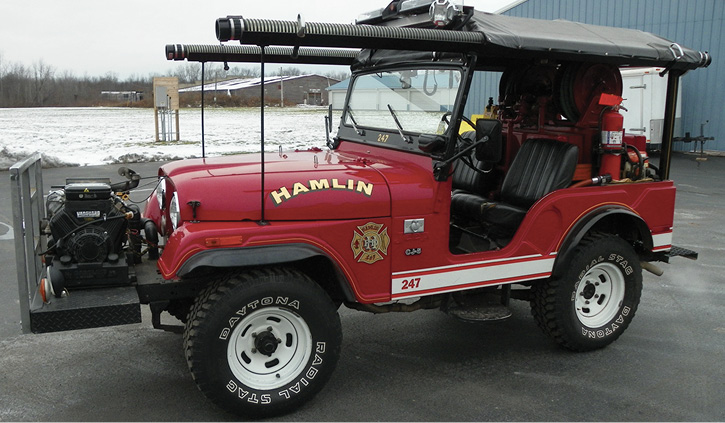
<point>90,308</point>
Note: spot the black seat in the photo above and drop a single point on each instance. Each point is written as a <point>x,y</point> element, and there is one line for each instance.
<point>465,179</point>
<point>540,167</point>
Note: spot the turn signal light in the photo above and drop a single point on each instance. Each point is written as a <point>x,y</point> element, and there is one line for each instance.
<point>45,289</point>
<point>223,241</point>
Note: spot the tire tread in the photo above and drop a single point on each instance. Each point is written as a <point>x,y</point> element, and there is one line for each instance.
<point>544,298</point>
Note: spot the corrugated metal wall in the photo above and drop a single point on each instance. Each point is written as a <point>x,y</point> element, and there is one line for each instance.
<point>697,24</point>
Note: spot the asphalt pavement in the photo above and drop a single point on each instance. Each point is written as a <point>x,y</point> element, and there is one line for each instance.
<point>424,366</point>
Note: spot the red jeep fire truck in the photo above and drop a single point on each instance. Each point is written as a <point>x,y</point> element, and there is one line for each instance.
<point>427,197</point>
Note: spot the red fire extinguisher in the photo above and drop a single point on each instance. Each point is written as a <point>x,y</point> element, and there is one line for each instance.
<point>612,124</point>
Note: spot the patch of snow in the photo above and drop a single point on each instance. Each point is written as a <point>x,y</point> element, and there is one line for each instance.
<point>98,135</point>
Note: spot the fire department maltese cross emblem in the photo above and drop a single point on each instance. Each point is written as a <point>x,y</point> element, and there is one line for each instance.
<point>370,242</point>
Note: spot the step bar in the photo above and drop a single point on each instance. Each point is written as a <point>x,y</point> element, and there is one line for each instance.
<point>681,252</point>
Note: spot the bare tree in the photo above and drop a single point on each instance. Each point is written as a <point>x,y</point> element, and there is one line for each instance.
<point>41,85</point>
<point>289,71</point>
<point>111,78</point>
<point>42,82</point>
<point>190,72</point>
<point>247,71</point>
<point>338,75</point>
<point>3,65</point>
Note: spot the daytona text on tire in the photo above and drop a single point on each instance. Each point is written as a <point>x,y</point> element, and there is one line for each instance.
<point>595,297</point>
<point>262,342</point>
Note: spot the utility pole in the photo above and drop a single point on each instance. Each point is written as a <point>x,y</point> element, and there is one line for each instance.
<point>281,88</point>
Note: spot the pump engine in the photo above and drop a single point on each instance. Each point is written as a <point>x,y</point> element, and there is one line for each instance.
<point>93,233</point>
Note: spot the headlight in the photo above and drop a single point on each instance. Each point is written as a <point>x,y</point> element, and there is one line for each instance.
<point>161,194</point>
<point>174,212</point>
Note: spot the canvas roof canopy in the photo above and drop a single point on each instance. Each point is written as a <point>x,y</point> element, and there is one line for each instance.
<point>494,38</point>
<point>514,36</point>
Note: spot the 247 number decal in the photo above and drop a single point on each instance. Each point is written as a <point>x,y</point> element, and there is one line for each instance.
<point>411,283</point>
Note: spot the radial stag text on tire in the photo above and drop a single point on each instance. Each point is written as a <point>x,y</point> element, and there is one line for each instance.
<point>262,342</point>
<point>594,299</point>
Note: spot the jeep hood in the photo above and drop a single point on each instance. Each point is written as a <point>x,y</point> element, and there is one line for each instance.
<point>297,186</point>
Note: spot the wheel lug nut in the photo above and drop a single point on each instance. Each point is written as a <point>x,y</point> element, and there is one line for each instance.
<point>254,334</point>
<point>254,350</point>
<point>269,329</point>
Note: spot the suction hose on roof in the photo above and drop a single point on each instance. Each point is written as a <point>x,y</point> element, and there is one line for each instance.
<point>244,53</point>
<point>266,32</point>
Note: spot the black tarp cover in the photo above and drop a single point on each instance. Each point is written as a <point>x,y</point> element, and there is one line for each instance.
<point>510,39</point>
<point>512,36</point>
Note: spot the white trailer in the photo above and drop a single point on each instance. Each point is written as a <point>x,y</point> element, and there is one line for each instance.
<point>644,93</point>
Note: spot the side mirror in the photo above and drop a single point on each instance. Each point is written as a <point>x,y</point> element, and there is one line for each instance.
<point>329,118</point>
<point>491,149</point>
<point>328,126</point>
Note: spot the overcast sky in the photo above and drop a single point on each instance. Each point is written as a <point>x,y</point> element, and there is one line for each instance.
<point>127,37</point>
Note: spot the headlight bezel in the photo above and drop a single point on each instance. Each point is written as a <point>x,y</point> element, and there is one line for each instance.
<point>161,194</point>
<point>174,211</point>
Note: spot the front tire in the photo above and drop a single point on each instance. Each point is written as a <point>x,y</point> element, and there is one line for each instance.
<point>262,342</point>
<point>594,299</point>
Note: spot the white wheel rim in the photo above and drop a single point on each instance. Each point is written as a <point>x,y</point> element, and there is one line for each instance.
<point>288,343</point>
<point>599,295</point>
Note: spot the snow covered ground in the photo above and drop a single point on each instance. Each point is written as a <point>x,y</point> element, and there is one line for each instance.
<point>92,136</point>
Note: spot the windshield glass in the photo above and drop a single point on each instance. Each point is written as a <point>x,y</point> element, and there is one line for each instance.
<point>411,101</point>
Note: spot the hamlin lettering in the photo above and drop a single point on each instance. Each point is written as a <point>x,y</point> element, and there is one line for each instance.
<point>298,188</point>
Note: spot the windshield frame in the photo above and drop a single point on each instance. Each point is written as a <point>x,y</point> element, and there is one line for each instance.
<point>353,131</point>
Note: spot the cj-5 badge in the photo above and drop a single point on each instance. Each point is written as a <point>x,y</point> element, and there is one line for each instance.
<point>368,244</point>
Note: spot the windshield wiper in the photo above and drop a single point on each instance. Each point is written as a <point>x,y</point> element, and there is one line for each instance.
<point>397,123</point>
<point>354,122</point>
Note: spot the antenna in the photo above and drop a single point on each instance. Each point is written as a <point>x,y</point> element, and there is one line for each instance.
<point>203,153</point>
<point>262,222</point>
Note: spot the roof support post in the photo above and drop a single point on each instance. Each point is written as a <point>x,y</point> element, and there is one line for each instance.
<point>203,152</point>
<point>673,83</point>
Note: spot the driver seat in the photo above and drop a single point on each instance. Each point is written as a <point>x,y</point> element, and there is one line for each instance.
<point>540,167</point>
<point>482,180</point>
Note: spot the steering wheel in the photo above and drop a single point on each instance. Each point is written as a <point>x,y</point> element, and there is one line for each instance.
<point>445,120</point>
<point>461,142</point>
<point>464,142</point>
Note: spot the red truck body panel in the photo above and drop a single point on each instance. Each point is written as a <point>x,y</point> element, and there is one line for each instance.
<point>364,234</point>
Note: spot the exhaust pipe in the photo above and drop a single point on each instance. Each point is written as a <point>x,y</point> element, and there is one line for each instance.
<point>648,266</point>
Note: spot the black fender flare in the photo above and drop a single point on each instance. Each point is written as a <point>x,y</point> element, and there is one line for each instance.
<point>620,219</point>
<point>265,256</point>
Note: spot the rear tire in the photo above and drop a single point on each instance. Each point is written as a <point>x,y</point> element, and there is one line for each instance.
<point>262,342</point>
<point>590,304</point>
